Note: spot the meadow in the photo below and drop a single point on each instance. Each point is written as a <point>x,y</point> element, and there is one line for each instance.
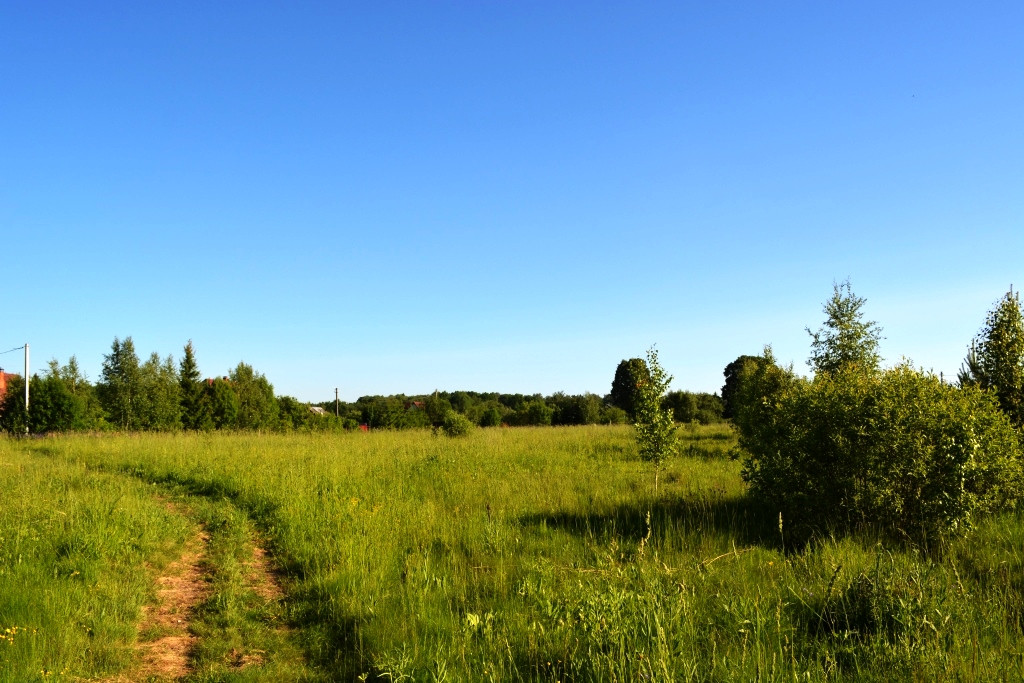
<point>524,554</point>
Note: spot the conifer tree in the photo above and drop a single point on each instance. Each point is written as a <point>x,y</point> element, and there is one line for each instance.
<point>996,359</point>
<point>194,408</point>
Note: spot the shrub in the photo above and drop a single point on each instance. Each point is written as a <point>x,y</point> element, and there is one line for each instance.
<point>897,448</point>
<point>456,424</point>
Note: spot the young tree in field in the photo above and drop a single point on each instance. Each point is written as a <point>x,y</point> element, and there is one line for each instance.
<point>120,385</point>
<point>655,427</point>
<point>996,359</point>
<point>625,387</point>
<point>845,341</point>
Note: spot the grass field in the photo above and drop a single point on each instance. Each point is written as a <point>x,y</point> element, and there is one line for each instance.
<point>511,555</point>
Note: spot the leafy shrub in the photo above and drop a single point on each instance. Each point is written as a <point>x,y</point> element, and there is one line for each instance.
<point>456,424</point>
<point>897,448</point>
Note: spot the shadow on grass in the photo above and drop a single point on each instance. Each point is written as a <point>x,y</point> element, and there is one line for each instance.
<point>744,520</point>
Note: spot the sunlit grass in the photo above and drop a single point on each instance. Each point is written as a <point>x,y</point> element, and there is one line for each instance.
<point>547,554</point>
<point>77,551</point>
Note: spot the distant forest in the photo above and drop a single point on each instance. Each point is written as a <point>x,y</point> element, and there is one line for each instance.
<point>159,394</point>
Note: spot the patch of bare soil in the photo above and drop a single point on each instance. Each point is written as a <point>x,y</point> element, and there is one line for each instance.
<point>180,589</point>
<point>262,578</point>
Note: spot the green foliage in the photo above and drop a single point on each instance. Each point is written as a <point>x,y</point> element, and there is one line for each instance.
<point>455,424</point>
<point>533,413</point>
<point>996,359</point>
<point>688,407</point>
<point>734,373</point>
<point>381,412</point>
<point>897,449</point>
<point>575,410</point>
<point>655,427</point>
<point>844,341</point>
<point>120,385</point>
<point>436,409</point>
<point>61,401</point>
<point>257,405</point>
<point>613,415</point>
<point>159,398</point>
<point>629,375</point>
<point>195,412</point>
<point>489,414</point>
<point>13,419</point>
<point>223,405</point>
<point>52,407</point>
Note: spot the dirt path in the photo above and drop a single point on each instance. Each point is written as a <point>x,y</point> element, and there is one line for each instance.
<point>262,578</point>
<point>179,590</point>
<point>167,646</point>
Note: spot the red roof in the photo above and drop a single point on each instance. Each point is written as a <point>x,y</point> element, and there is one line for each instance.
<point>5,377</point>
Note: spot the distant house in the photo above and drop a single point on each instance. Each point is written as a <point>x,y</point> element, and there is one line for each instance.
<point>317,410</point>
<point>414,405</point>
<point>5,378</point>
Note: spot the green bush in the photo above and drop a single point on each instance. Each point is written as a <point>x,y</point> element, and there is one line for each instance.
<point>456,424</point>
<point>898,449</point>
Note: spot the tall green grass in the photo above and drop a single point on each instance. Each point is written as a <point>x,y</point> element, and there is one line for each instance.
<point>78,549</point>
<point>545,554</point>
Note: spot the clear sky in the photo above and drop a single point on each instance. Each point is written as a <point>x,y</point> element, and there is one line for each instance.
<point>394,197</point>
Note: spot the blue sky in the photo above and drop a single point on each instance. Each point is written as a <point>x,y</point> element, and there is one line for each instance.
<point>398,197</point>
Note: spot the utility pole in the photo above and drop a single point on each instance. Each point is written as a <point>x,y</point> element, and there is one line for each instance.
<point>337,413</point>
<point>26,387</point>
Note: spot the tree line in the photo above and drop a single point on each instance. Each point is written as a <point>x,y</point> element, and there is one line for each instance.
<point>152,395</point>
<point>159,394</point>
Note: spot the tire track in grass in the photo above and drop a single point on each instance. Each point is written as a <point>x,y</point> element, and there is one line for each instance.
<point>166,642</point>
<point>221,607</point>
<point>218,606</point>
<point>181,588</point>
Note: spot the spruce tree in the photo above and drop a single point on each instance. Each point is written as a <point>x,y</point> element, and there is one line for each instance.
<point>193,406</point>
<point>996,360</point>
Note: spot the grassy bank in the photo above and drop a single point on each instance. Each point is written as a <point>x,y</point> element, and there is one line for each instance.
<point>547,554</point>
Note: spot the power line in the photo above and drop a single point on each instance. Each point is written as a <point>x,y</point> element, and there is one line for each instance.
<point>16,348</point>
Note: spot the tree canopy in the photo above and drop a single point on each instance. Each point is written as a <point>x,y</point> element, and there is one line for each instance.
<point>626,385</point>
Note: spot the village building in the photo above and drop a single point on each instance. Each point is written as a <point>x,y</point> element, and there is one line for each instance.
<point>5,379</point>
